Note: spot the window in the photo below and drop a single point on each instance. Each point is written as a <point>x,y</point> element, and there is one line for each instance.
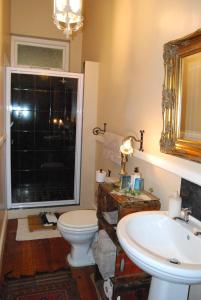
<point>39,53</point>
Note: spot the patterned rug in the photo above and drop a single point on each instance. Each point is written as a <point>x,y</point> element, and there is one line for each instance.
<point>49,286</point>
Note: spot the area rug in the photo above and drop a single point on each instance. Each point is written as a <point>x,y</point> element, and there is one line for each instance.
<point>23,233</point>
<point>49,286</point>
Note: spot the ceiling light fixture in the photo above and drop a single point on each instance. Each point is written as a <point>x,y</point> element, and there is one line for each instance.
<point>68,15</point>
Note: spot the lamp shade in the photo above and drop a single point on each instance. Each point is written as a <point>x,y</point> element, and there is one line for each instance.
<point>127,146</point>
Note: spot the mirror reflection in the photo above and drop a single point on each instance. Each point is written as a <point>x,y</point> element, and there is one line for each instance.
<point>190,126</point>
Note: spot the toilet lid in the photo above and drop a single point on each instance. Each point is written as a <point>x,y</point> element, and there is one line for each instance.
<point>79,218</point>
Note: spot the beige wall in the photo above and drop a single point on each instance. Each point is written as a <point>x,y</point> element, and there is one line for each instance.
<point>4,58</point>
<point>127,38</point>
<point>34,18</point>
<point>4,52</point>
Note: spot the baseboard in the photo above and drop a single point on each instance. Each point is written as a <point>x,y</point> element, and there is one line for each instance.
<point>94,206</point>
<point>23,213</point>
<point>3,237</point>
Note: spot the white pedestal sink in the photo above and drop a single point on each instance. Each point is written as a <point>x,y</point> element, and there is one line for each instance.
<point>165,248</point>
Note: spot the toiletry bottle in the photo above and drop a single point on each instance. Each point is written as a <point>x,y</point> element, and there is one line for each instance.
<point>139,184</point>
<point>174,209</point>
<point>135,175</point>
<point>100,176</point>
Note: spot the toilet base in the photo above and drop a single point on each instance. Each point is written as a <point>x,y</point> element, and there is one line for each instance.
<point>82,261</point>
<point>79,229</point>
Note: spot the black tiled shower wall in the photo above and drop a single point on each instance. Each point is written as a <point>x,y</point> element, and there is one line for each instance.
<point>191,197</point>
<point>42,149</point>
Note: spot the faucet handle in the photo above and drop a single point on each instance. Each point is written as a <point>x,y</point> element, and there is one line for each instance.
<point>187,211</point>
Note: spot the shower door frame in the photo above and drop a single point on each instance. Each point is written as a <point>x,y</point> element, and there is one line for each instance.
<point>79,112</point>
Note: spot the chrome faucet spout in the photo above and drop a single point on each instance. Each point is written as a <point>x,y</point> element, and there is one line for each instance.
<point>182,219</point>
<point>197,233</point>
<point>185,212</point>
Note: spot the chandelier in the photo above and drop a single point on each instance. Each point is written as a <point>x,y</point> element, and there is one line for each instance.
<point>68,15</point>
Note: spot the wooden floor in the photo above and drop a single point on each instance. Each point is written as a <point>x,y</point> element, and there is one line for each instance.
<point>26,258</point>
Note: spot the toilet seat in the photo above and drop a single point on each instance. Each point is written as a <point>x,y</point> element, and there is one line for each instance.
<point>79,220</point>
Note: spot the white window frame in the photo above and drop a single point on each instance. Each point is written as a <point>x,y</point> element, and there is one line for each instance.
<point>37,42</point>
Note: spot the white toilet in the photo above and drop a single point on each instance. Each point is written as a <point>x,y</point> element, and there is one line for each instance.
<point>79,227</point>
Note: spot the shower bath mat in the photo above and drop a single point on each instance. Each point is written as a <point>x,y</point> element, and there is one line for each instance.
<point>24,234</point>
<point>37,223</point>
<point>49,286</point>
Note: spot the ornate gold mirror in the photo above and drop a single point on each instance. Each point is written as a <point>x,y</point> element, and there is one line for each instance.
<point>181,99</point>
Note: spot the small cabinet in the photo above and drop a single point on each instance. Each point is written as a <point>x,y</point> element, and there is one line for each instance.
<point>117,206</point>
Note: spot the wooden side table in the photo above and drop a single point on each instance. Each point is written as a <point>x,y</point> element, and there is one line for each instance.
<point>128,277</point>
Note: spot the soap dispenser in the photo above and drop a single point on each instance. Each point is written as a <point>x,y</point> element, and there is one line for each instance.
<point>174,209</point>
<point>135,175</point>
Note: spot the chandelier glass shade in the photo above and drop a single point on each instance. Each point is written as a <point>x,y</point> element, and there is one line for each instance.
<point>127,149</point>
<point>68,15</point>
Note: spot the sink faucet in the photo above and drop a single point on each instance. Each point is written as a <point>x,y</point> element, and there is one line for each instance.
<point>197,233</point>
<point>185,212</point>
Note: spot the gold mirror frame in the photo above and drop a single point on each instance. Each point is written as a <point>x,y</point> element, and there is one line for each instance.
<point>170,141</point>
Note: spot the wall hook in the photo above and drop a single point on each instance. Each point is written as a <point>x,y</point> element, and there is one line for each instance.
<point>98,130</point>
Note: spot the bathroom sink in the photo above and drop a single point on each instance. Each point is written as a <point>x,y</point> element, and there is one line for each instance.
<point>163,247</point>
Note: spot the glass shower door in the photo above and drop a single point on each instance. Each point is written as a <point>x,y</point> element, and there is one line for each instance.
<point>45,139</point>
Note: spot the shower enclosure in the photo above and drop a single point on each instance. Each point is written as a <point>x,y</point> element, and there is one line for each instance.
<point>43,121</point>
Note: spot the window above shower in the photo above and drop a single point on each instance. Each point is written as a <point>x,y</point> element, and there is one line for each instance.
<point>44,122</point>
<point>39,53</point>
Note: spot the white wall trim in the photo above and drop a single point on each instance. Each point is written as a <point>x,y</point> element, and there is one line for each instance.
<point>184,168</point>
<point>3,236</point>
<point>25,212</point>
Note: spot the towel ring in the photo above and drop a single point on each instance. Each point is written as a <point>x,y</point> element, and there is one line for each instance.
<point>98,130</point>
